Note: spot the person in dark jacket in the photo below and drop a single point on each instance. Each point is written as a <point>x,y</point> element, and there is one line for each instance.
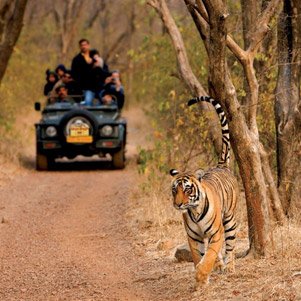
<point>51,79</point>
<point>81,69</point>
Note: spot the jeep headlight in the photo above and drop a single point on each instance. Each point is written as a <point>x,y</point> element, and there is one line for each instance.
<point>51,131</point>
<point>106,131</point>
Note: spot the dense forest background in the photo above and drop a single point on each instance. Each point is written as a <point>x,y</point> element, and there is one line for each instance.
<point>131,37</point>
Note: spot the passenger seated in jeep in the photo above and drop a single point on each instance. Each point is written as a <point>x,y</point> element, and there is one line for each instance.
<point>70,84</point>
<point>62,95</point>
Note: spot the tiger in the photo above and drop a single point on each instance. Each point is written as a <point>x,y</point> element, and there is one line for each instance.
<point>208,200</point>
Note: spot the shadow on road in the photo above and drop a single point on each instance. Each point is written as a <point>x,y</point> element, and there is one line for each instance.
<point>70,165</point>
<point>83,165</point>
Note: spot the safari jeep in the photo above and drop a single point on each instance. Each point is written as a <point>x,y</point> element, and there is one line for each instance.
<point>69,129</point>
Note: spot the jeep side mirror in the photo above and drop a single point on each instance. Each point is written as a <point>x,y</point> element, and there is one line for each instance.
<point>37,106</point>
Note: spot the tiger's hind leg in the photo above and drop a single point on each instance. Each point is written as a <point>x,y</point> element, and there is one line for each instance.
<point>230,239</point>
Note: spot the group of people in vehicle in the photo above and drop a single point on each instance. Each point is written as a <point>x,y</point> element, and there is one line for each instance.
<point>89,76</point>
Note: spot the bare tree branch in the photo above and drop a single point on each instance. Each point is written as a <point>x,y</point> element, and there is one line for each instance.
<point>178,43</point>
<point>115,46</point>
<point>184,67</point>
<point>11,22</point>
<point>200,19</point>
<point>96,12</point>
<point>67,15</point>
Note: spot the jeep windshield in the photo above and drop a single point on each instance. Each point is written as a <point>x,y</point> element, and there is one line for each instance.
<point>66,106</point>
<point>54,112</point>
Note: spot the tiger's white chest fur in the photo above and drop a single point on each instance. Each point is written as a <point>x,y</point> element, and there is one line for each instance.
<point>196,220</point>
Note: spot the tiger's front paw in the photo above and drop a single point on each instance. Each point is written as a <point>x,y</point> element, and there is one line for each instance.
<point>201,280</point>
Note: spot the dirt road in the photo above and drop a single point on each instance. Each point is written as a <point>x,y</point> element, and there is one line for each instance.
<point>63,237</point>
<point>64,234</point>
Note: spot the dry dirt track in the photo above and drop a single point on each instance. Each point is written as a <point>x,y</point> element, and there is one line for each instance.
<point>64,234</point>
<point>64,238</point>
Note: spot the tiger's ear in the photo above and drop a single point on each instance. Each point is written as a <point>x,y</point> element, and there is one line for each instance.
<point>173,172</point>
<point>199,174</point>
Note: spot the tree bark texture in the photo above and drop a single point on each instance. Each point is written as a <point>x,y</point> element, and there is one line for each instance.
<point>252,36</point>
<point>11,22</point>
<point>288,107</point>
<point>244,136</point>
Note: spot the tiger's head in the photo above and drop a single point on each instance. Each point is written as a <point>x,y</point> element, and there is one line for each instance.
<point>186,189</point>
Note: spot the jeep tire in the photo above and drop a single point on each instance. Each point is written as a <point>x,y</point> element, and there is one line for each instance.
<point>44,162</point>
<point>118,159</point>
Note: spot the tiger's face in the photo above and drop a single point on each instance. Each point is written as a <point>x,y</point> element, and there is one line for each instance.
<point>185,190</point>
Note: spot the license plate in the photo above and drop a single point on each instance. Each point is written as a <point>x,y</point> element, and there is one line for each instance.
<point>79,134</point>
<point>83,139</point>
<point>79,131</point>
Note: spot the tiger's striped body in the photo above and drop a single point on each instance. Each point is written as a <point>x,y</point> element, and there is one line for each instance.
<point>208,201</point>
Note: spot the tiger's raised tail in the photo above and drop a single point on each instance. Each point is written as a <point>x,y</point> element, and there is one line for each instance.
<point>225,154</point>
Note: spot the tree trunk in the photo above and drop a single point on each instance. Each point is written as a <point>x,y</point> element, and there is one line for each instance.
<point>211,23</point>
<point>131,65</point>
<point>244,141</point>
<point>11,22</point>
<point>287,107</point>
<point>250,12</point>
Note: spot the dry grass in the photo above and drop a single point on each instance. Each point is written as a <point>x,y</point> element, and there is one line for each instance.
<point>276,277</point>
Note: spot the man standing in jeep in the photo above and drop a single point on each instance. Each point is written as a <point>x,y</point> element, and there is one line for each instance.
<point>81,69</point>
